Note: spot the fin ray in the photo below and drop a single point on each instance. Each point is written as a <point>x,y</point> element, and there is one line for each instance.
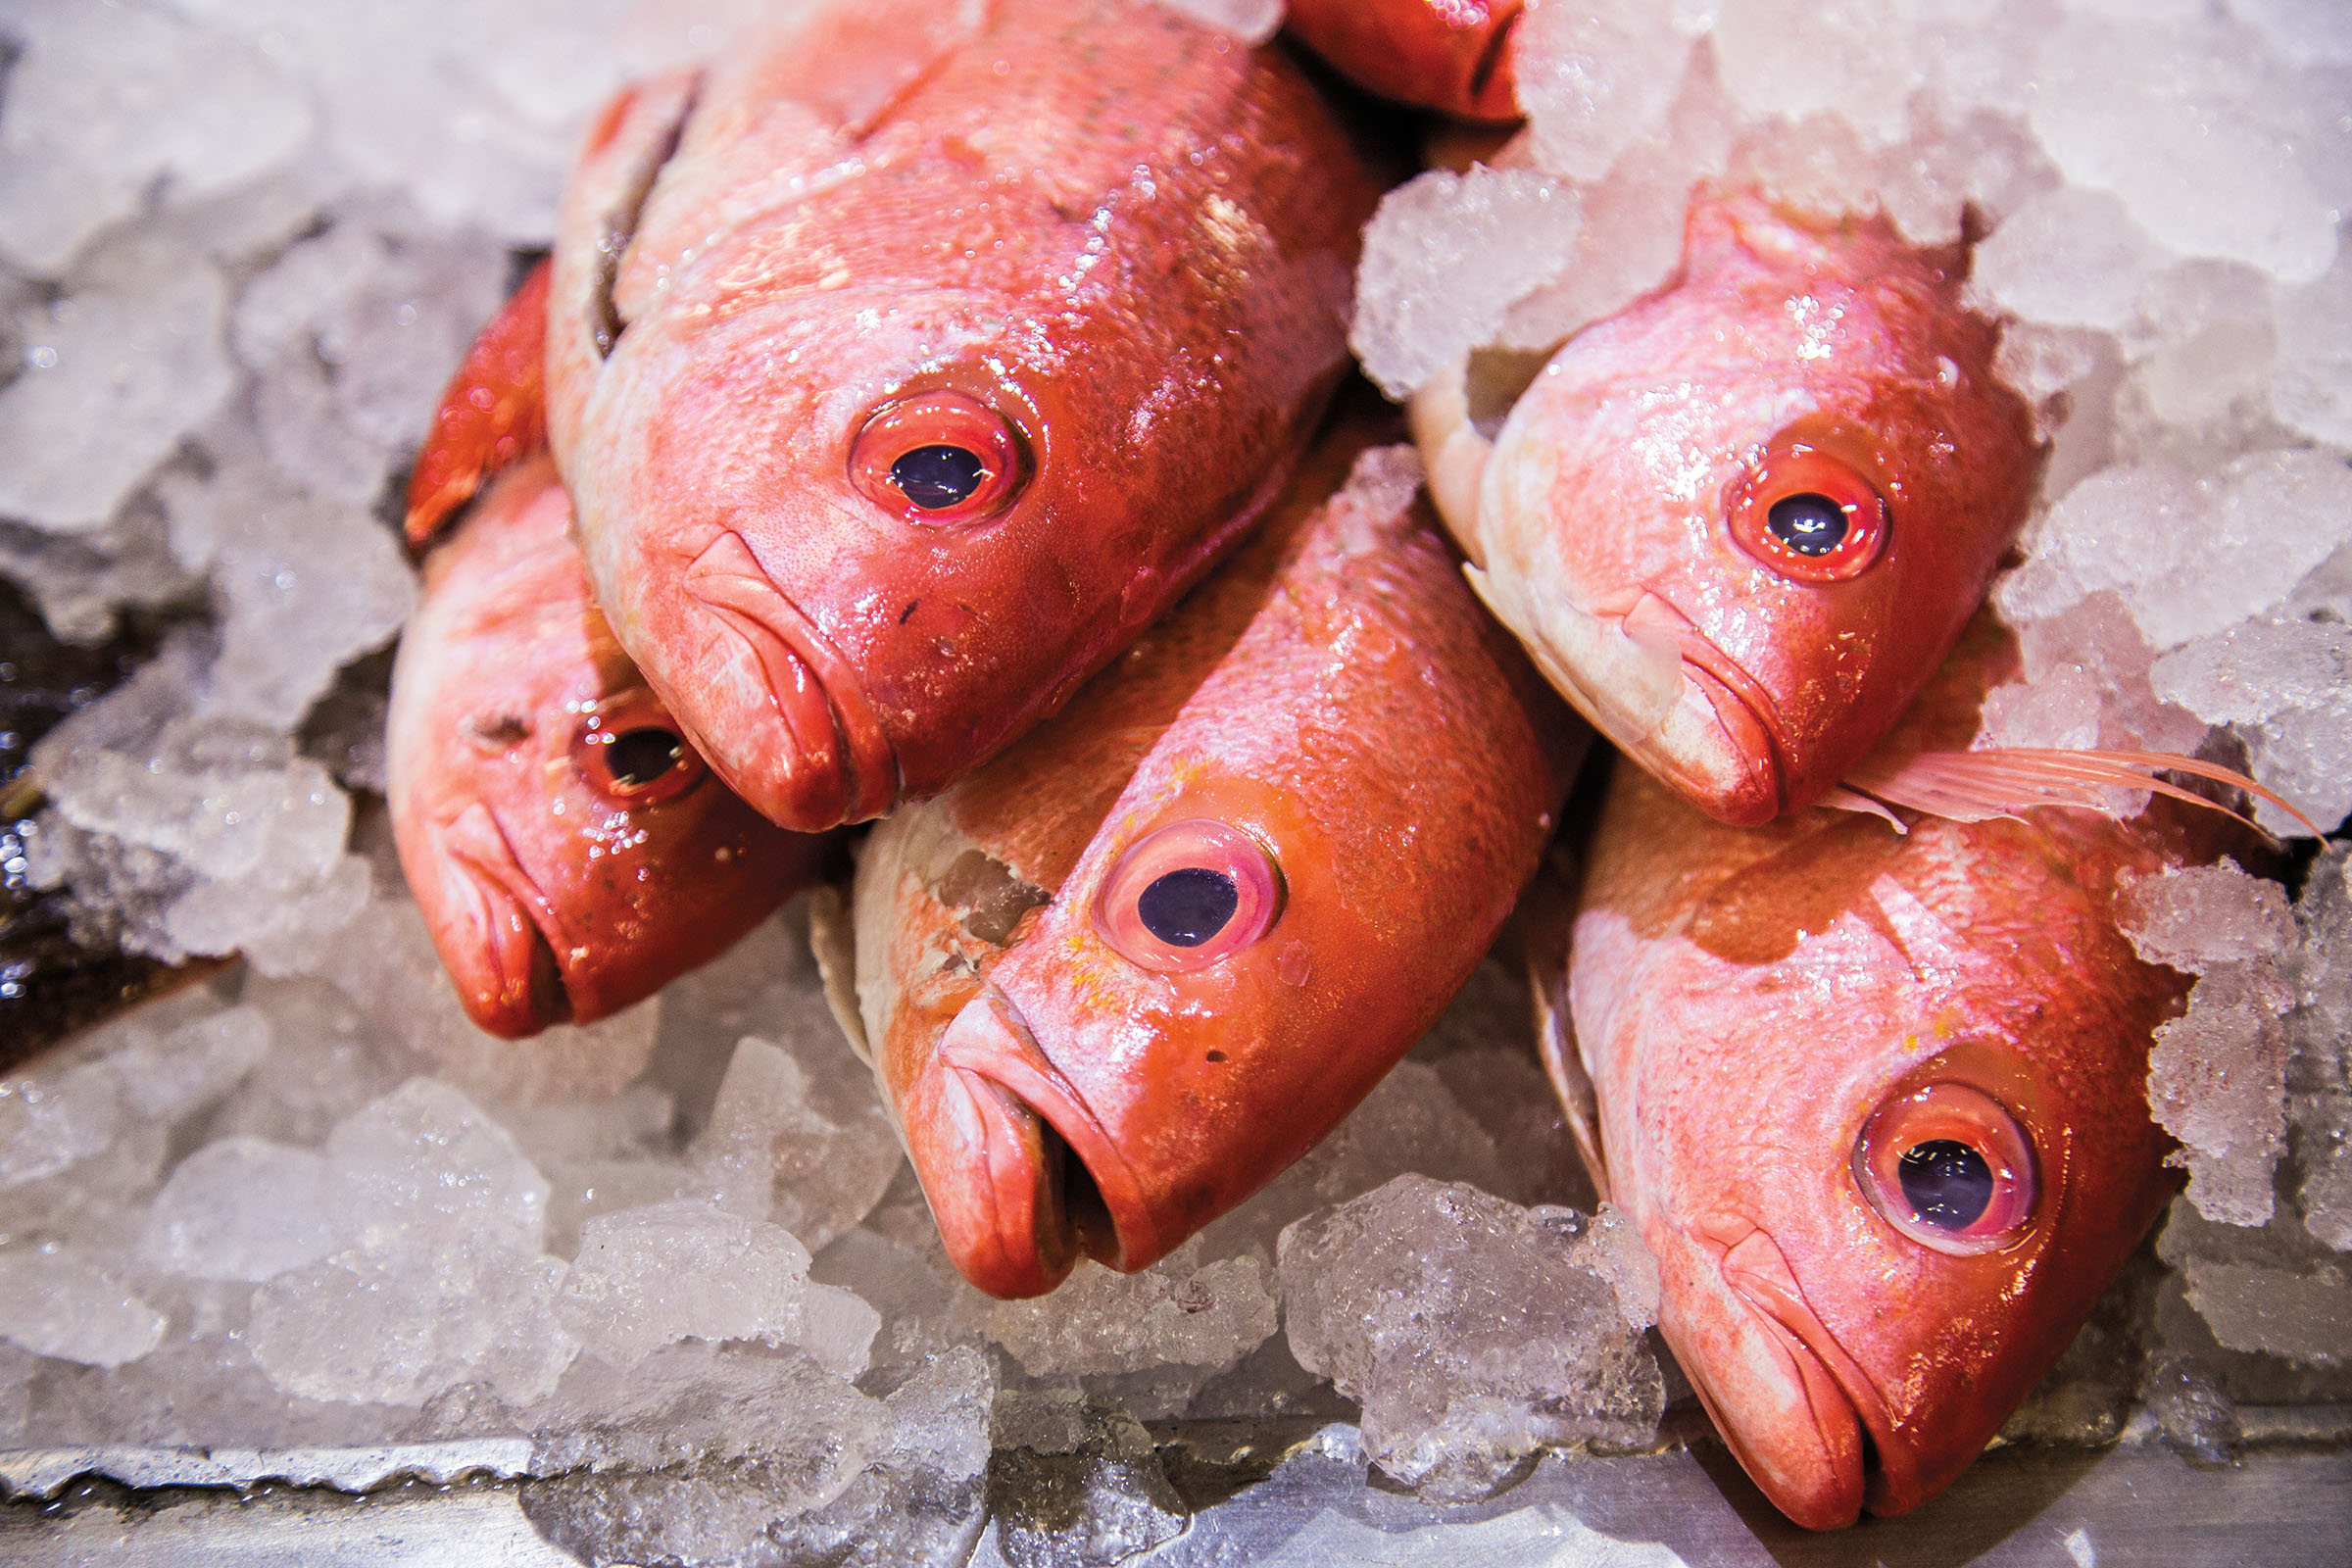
<point>1973,786</point>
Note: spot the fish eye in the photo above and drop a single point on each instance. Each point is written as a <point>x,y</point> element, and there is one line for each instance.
<point>1807,516</point>
<point>1949,1167</point>
<point>938,458</point>
<point>1188,895</point>
<point>633,755</point>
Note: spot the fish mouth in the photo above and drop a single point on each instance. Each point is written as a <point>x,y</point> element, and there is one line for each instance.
<point>509,976</point>
<point>1664,693</point>
<point>1021,1177</point>
<point>1822,1467</point>
<point>816,756</point>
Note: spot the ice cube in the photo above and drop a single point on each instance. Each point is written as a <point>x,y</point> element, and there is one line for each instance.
<point>108,102</point>
<point>241,1208</point>
<point>651,1276</point>
<point>1816,60</point>
<point>1178,1312</point>
<point>1077,1485</point>
<point>2194,918</point>
<point>2311,380</point>
<point>1474,1331</point>
<point>1595,80</point>
<point>1444,257</point>
<point>769,1152</point>
<point>120,367</point>
<point>922,1503</point>
<point>2069,258</point>
<point>2286,689</point>
<point>422,1166</point>
<point>397,1327</point>
<point>1252,22</point>
<point>2304,1317</point>
<point>2196,130</point>
<point>58,1303</point>
<point>2217,1081</point>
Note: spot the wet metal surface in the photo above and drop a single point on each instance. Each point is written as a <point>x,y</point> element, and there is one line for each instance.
<point>2288,1506</point>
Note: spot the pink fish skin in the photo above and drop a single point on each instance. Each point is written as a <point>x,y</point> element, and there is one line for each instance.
<point>1766,1022</point>
<point>1329,724</point>
<point>1825,375</point>
<point>571,853</point>
<point>1096,254</point>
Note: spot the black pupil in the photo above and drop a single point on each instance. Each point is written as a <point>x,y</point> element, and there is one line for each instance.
<point>1809,525</point>
<point>1947,1183</point>
<point>1185,909</point>
<point>937,477</point>
<point>642,756</point>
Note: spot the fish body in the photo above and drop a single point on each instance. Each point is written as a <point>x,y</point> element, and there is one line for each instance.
<point>570,852</point>
<point>1876,1103</point>
<point>1120,977</point>
<point>907,361</point>
<point>1450,55</point>
<point>1741,523</point>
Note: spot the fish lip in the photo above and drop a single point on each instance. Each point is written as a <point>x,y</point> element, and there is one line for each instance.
<point>1847,1408</point>
<point>1029,1245</point>
<point>1753,729</point>
<point>527,990</point>
<point>839,766</point>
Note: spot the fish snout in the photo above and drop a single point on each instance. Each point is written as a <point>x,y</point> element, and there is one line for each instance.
<point>1668,697</point>
<point>1804,1420</point>
<point>1020,1177</point>
<point>485,916</point>
<point>775,708</point>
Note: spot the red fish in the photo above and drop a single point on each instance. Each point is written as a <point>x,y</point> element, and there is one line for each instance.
<point>1741,524</point>
<point>569,848</point>
<point>1119,978</point>
<point>1876,1103</point>
<point>1451,55</point>
<point>906,363</point>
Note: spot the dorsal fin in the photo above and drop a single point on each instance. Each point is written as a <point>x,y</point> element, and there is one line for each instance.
<point>1972,786</point>
<point>493,411</point>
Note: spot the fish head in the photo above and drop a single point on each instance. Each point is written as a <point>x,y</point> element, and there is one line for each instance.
<point>1244,871</point>
<point>567,846</point>
<point>1896,1163</point>
<point>1739,523</point>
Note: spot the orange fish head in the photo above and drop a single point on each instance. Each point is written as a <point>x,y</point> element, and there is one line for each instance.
<point>850,543</point>
<point>1741,524</point>
<point>569,847</point>
<point>1152,1046</point>
<point>1883,1190</point>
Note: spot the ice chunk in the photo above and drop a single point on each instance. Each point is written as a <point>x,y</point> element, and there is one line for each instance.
<point>2217,1081</point>
<point>1445,257</point>
<point>694,1453</point>
<point>82,582</point>
<point>2197,916</point>
<point>58,1303</point>
<point>1813,60</point>
<point>324,1062</point>
<point>49,1124</point>
<point>399,1327</point>
<point>121,367</point>
<point>651,1276</point>
<point>1474,1331</point>
<point>769,1152</point>
<point>2154,534</point>
<point>922,1502</point>
<point>109,101</point>
<point>2311,380</point>
<point>1596,79</point>
<point>910,1294</point>
<point>240,1209</point>
<point>384,961</point>
<point>2069,258</point>
<point>840,1329</point>
<point>2096,642</point>
<point>1178,1312</point>
<point>1078,1485</point>
<point>2304,1317</point>
<point>2196,130</point>
<point>2286,689</point>
<point>422,1167</point>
